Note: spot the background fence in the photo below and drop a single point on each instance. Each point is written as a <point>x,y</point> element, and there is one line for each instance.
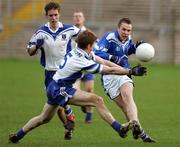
<point>155,21</point>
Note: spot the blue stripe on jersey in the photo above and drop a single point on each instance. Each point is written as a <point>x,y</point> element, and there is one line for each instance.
<point>70,80</point>
<point>97,70</point>
<point>69,47</point>
<point>32,43</point>
<point>94,68</point>
<point>43,59</point>
<point>64,29</point>
<point>75,35</point>
<point>114,41</point>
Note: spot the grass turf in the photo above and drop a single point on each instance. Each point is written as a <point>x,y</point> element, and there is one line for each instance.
<point>22,96</point>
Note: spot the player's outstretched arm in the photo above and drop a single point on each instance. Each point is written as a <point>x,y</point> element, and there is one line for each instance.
<point>112,68</point>
<point>32,49</point>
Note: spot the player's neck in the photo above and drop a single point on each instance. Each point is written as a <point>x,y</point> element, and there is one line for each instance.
<point>54,26</point>
<point>79,26</point>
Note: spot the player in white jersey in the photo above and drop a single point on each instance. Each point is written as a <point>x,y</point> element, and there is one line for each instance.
<point>87,79</point>
<point>54,39</point>
<point>60,91</point>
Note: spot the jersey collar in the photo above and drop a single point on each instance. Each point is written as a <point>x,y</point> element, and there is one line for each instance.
<point>85,54</point>
<point>60,25</point>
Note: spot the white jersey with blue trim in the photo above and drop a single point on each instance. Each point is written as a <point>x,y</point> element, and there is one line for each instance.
<point>76,63</point>
<point>56,43</point>
<point>73,42</point>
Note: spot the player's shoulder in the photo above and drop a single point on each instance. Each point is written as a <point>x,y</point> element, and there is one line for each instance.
<point>67,26</point>
<point>110,35</point>
<point>42,28</point>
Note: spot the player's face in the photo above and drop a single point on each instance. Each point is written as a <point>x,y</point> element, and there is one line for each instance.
<point>90,48</point>
<point>53,16</point>
<point>124,31</point>
<point>78,18</point>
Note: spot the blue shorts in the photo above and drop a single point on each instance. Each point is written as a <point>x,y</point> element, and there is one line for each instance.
<point>59,95</point>
<point>87,77</point>
<point>48,77</point>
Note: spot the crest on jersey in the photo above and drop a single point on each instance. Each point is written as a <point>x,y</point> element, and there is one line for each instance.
<point>63,36</point>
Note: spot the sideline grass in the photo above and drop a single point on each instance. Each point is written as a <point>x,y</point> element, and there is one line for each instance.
<point>22,96</point>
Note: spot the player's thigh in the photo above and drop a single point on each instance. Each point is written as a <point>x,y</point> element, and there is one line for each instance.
<point>89,85</point>
<point>83,98</point>
<point>77,84</point>
<point>126,90</point>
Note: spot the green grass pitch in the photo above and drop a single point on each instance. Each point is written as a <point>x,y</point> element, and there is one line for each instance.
<point>22,96</point>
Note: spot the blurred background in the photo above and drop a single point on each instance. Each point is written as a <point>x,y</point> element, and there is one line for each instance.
<point>154,21</point>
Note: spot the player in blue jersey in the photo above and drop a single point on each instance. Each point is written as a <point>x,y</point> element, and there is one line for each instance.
<point>117,46</point>
<point>53,40</point>
<point>61,92</point>
<point>88,79</point>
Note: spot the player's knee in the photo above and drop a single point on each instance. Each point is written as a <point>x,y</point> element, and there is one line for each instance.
<point>97,99</point>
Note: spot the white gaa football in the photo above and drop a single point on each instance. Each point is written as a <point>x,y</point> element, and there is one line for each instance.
<point>145,52</point>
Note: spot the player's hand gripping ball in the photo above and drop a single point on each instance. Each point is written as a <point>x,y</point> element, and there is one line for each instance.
<point>145,52</point>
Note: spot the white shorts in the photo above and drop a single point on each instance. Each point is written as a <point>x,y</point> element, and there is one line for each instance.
<point>112,84</point>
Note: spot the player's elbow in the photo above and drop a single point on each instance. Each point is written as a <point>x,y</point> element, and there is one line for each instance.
<point>31,52</point>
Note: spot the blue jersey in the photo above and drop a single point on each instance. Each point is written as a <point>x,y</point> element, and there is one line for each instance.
<point>111,45</point>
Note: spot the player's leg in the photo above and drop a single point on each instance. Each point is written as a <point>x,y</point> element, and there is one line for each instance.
<point>45,116</point>
<point>77,85</point>
<point>89,87</point>
<point>126,102</point>
<point>70,124</point>
<point>61,114</point>
<point>83,98</point>
<point>120,89</point>
<point>68,129</point>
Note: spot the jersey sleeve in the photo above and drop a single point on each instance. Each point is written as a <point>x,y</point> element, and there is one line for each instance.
<point>102,48</point>
<point>75,32</point>
<point>132,48</point>
<point>91,66</point>
<point>33,40</point>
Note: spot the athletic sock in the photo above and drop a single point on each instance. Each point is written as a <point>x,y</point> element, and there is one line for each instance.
<point>88,116</point>
<point>143,135</point>
<point>20,134</point>
<point>116,126</point>
<point>68,110</point>
<point>69,113</point>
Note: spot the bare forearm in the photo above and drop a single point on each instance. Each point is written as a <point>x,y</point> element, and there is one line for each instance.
<point>115,70</point>
<point>32,51</point>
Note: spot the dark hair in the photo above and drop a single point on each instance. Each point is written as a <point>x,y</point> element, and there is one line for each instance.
<point>52,5</point>
<point>124,20</point>
<point>85,38</point>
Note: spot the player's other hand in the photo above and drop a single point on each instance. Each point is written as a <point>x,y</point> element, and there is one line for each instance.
<point>119,60</point>
<point>39,43</point>
<point>138,70</point>
<point>139,42</point>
